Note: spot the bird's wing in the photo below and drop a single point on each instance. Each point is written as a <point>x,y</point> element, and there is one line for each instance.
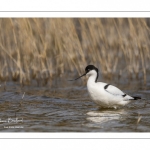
<point>114,90</point>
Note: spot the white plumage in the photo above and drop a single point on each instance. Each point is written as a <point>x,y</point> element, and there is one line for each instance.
<point>109,97</point>
<point>103,94</point>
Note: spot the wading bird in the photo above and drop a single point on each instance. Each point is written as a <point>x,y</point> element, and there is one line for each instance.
<point>103,94</point>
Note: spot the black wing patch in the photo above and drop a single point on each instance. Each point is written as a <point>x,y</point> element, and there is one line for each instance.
<point>124,95</point>
<point>106,86</point>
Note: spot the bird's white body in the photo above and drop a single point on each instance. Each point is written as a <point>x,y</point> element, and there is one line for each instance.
<point>103,94</point>
<point>111,97</point>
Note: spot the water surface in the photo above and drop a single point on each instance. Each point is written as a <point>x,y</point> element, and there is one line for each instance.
<point>69,109</point>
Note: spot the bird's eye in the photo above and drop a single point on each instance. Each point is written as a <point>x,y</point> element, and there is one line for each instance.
<point>87,70</point>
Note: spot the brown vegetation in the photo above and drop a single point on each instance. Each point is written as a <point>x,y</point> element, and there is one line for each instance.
<point>41,48</point>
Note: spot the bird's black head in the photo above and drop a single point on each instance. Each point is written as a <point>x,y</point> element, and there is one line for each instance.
<point>91,67</point>
<point>88,69</point>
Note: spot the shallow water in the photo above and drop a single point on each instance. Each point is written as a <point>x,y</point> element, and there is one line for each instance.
<point>68,109</point>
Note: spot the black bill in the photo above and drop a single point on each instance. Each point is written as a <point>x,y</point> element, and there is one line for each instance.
<point>78,77</point>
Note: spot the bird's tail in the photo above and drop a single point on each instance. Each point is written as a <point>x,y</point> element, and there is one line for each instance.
<point>136,98</point>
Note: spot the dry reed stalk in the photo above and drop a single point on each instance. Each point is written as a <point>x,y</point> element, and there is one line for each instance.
<point>39,48</point>
<point>18,53</point>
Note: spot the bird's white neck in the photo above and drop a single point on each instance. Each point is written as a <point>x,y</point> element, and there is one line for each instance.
<point>92,76</point>
<point>92,79</point>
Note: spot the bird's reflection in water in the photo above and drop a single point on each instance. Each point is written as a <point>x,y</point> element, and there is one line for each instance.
<point>105,115</point>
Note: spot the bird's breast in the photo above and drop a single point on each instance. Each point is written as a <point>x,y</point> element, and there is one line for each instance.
<point>93,91</point>
<point>97,94</point>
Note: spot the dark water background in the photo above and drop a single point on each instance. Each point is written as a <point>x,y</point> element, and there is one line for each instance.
<point>66,107</point>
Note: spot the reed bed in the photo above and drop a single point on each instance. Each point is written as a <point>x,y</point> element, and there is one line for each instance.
<point>42,49</point>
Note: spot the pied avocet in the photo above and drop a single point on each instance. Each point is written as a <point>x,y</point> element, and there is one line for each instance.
<point>103,94</point>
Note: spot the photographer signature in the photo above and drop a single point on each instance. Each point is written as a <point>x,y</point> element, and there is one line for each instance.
<point>11,120</point>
